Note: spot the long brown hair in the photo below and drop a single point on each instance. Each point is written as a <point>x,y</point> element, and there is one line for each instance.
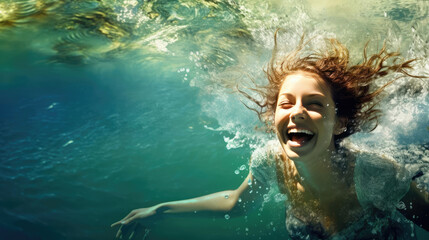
<point>351,85</point>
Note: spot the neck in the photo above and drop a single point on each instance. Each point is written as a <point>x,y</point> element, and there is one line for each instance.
<point>318,175</point>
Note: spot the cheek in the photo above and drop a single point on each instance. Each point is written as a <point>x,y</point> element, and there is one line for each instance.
<point>329,126</point>
<point>328,122</point>
<point>280,117</point>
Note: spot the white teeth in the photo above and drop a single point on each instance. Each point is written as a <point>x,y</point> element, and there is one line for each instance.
<point>294,130</point>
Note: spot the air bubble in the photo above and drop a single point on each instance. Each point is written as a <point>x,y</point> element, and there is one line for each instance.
<point>242,167</point>
<point>68,143</point>
<point>227,216</point>
<point>52,105</point>
<point>226,196</point>
<point>236,172</point>
<point>401,205</point>
<point>239,200</point>
<point>266,197</point>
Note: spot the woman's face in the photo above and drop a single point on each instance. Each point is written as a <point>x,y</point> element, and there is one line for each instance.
<point>305,117</point>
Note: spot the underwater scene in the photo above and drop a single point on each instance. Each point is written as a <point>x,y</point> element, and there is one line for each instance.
<point>112,105</point>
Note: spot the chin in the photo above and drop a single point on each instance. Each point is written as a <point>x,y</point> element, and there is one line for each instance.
<point>292,155</point>
<point>300,153</point>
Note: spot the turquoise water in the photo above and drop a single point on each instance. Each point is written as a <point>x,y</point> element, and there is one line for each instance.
<point>107,106</point>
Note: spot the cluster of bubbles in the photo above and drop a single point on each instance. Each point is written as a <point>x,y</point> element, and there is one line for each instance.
<point>241,168</point>
<point>185,71</point>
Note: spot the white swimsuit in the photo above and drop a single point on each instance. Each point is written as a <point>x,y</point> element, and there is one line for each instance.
<point>380,185</point>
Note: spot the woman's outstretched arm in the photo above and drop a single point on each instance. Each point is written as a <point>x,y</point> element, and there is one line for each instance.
<point>224,201</point>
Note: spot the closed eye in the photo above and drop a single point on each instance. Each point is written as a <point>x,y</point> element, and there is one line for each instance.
<point>285,105</point>
<point>315,106</point>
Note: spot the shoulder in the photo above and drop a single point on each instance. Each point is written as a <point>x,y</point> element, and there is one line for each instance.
<point>263,162</point>
<point>370,161</point>
<point>380,181</point>
<point>381,166</point>
<point>266,154</point>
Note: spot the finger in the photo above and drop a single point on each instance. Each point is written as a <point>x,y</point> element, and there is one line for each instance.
<point>119,233</point>
<point>122,221</point>
<point>116,223</point>
<point>134,227</point>
<point>132,213</point>
<point>132,234</point>
<point>125,231</point>
<point>127,221</point>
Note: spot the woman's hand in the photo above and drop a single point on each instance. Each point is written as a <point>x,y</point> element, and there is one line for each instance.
<point>130,224</point>
<point>136,214</point>
<point>224,201</point>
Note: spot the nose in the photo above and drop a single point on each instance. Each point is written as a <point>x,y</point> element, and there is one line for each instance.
<point>298,113</point>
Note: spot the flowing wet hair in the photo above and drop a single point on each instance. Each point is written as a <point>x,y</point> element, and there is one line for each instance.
<point>350,85</point>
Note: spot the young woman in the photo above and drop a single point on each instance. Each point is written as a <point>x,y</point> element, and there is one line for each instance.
<point>313,103</point>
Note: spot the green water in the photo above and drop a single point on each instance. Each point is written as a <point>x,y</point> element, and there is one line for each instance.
<point>107,106</point>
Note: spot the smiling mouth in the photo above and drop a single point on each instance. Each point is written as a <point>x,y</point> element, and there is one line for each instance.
<point>299,137</point>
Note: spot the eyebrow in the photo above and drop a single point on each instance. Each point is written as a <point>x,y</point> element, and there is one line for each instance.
<point>316,94</point>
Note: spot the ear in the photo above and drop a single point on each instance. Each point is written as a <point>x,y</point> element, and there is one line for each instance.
<point>340,125</point>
